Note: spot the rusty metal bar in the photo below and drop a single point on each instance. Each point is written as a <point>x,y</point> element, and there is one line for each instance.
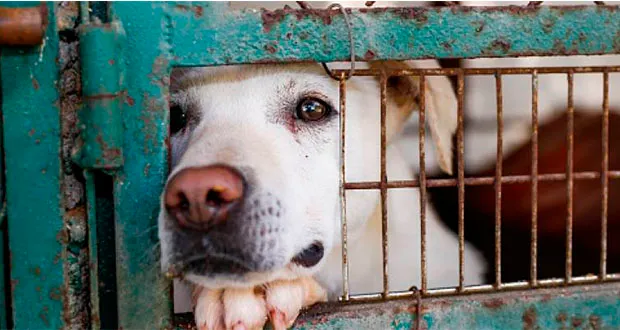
<point>384,215</point>
<point>343,199</point>
<point>23,26</point>
<point>478,181</point>
<point>483,288</point>
<point>498,180</point>
<point>534,186</point>
<point>604,176</point>
<point>483,71</point>
<point>423,198</point>
<point>570,124</point>
<point>461,176</point>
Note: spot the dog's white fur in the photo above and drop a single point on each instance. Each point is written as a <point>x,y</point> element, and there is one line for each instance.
<point>235,103</point>
<point>240,127</point>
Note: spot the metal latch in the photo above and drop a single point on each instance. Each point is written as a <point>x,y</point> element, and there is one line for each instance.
<point>100,144</point>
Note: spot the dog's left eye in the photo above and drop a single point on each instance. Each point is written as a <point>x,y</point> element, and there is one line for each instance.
<point>312,109</point>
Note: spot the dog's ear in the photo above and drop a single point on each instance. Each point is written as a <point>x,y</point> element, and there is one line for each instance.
<point>440,100</point>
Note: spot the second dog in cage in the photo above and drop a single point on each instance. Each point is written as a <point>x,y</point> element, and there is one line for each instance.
<point>251,211</point>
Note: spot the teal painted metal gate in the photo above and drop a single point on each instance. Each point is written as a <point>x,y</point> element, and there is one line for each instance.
<point>81,197</point>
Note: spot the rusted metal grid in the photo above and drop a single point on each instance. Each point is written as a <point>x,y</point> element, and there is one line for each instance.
<point>461,181</point>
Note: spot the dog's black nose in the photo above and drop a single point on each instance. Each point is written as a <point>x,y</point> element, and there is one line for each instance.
<point>310,256</point>
<point>198,198</point>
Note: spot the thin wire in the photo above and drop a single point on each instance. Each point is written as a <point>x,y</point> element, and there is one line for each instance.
<point>351,43</point>
<point>498,181</point>
<point>343,200</point>
<point>534,184</point>
<point>423,196</point>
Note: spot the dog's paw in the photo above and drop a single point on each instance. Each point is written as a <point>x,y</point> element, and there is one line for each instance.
<point>237,309</point>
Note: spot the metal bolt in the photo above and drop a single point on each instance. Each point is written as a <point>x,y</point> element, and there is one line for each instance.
<point>22,26</point>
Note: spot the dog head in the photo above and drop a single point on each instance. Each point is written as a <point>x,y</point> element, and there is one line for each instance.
<point>253,194</point>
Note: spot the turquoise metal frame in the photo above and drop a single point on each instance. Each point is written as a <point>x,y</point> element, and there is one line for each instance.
<point>125,88</point>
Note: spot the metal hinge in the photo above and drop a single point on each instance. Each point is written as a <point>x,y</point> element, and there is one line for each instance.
<point>100,121</point>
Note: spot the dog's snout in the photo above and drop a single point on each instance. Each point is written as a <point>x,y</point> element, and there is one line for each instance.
<point>198,198</point>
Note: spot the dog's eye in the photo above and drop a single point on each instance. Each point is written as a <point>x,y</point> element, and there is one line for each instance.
<point>312,109</point>
<point>178,119</point>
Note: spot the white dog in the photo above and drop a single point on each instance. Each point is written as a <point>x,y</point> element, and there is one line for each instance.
<point>252,200</point>
<point>251,211</point>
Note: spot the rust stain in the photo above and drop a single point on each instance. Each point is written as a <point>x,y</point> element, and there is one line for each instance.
<point>130,101</point>
<point>31,132</point>
<point>498,45</point>
<point>35,84</point>
<point>577,321</point>
<point>561,318</point>
<point>44,315</point>
<point>36,271</point>
<point>56,294</point>
<point>197,10</point>
<point>529,318</point>
<point>420,15</point>
<point>494,303</point>
<point>100,97</point>
<point>111,62</point>
<point>62,237</point>
<point>273,17</point>
<point>270,48</point>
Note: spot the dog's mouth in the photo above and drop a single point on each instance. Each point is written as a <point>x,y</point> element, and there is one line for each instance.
<point>216,265</point>
<point>307,258</point>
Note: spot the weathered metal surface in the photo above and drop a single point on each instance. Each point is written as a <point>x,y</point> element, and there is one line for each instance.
<point>206,34</point>
<point>37,235</point>
<point>70,89</point>
<point>143,292</point>
<point>100,120</point>
<point>200,37</point>
<point>589,307</point>
<point>22,26</point>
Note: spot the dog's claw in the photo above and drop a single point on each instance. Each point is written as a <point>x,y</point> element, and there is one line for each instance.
<point>239,326</point>
<point>278,320</point>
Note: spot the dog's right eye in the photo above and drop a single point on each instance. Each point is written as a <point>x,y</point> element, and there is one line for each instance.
<point>178,119</point>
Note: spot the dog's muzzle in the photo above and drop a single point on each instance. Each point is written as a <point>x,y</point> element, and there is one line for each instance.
<point>221,226</point>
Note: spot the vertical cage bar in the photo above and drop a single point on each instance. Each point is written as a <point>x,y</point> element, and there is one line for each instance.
<point>384,215</point>
<point>422,133</point>
<point>534,186</point>
<point>343,200</point>
<point>569,178</point>
<point>461,178</point>
<point>498,180</point>
<point>604,176</point>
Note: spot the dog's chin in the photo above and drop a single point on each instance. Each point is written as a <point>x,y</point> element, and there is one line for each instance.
<point>248,279</point>
<point>221,272</point>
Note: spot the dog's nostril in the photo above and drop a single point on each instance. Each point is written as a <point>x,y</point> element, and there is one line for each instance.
<point>310,256</point>
<point>184,203</point>
<point>215,197</point>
